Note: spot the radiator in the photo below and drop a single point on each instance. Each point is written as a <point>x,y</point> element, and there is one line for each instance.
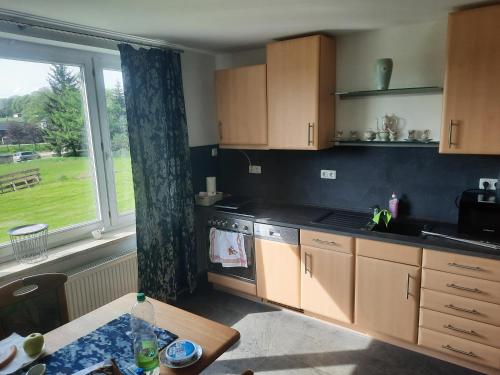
<point>95,284</point>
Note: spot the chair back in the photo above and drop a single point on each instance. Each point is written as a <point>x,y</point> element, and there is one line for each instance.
<point>33,304</point>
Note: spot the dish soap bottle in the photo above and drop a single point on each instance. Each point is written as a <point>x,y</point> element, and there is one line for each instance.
<point>393,205</point>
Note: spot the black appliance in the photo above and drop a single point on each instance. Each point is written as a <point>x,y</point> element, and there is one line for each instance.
<point>479,214</point>
<point>225,221</point>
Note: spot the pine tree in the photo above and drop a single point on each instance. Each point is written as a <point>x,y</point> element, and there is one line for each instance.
<point>65,129</point>
<point>117,118</point>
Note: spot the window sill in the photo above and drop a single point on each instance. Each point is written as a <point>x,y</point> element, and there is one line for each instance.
<point>12,269</point>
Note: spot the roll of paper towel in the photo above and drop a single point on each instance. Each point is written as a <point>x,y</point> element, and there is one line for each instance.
<point>211,186</point>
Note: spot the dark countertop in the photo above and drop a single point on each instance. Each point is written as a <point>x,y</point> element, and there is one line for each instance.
<point>304,217</point>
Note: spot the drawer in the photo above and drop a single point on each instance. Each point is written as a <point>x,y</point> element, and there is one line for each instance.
<point>457,347</point>
<point>389,251</point>
<point>460,327</point>
<point>327,241</point>
<point>482,268</point>
<point>460,306</point>
<point>465,286</point>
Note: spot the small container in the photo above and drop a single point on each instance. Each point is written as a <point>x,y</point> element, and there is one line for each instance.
<point>181,352</point>
<point>394,205</point>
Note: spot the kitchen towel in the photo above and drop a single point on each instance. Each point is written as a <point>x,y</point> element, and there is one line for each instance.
<point>227,248</point>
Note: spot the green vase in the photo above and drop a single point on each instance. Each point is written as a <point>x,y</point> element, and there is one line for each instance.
<point>383,73</point>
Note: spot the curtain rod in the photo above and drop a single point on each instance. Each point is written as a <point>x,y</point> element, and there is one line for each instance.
<point>23,21</point>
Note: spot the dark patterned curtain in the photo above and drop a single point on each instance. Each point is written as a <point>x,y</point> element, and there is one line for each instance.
<point>164,205</point>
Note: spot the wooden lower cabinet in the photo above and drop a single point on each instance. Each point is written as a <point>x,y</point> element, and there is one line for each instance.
<point>460,348</point>
<point>327,283</point>
<point>278,272</point>
<point>387,298</point>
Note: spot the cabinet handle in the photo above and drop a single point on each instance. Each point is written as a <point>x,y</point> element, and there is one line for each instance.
<point>455,286</point>
<point>450,138</point>
<point>470,311</point>
<point>468,332</point>
<point>220,130</point>
<point>310,137</point>
<point>325,242</point>
<point>451,348</point>
<point>408,286</point>
<point>472,268</point>
<point>306,268</point>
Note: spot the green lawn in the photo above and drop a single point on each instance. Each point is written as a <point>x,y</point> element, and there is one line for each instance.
<point>65,195</point>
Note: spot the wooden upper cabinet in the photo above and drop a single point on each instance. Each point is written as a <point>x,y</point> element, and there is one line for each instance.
<point>242,107</point>
<point>300,80</point>
<point>471,114</point>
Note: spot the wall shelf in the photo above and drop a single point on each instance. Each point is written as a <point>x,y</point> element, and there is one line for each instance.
<point>387,144</point>
<point>400,91</point>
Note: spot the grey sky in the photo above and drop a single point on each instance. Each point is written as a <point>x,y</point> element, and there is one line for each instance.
<point>22,77</point>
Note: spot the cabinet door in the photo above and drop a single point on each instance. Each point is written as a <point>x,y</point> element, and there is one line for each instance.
<point>293,88</point>
<point>278,272</point>
<point>242,106</point>
<point>387,298</point>
<point>327,283</point>
<point>471,114</point>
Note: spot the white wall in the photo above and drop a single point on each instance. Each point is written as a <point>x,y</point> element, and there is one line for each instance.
<point>418,52</point>
<point>234,60</point>
<point>199,96</point>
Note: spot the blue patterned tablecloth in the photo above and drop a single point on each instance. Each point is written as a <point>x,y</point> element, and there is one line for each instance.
<point>112,340</point>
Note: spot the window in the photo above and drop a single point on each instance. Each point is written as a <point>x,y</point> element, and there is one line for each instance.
<point>118,133</point>
<point>64,151</point>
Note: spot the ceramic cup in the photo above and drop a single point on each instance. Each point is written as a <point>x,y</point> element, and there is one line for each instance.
<point>412,135</point>
<point>426,134</point>
<point>383,136</point>
<point>369,135</point>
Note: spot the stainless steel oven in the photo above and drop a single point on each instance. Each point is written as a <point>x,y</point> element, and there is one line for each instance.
<point>233,223</point>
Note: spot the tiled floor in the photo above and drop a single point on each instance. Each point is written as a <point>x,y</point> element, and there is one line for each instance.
<point>275,341</point>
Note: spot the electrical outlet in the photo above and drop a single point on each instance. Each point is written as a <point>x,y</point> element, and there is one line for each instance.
<point>491,181</point>
<point>328,174</point>
<point>214,152</point>
<point>255,169</point>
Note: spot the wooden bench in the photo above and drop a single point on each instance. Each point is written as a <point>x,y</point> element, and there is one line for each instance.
<point>19,180</point>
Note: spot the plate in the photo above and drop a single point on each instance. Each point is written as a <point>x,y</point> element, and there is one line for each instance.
<point>21,360</point>
<point>196,358</point>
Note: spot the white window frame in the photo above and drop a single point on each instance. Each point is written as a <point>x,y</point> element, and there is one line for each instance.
<point>93,93</point>
<point>101,63</point>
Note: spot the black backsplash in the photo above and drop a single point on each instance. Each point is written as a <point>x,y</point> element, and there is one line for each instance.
<point>426,182</point>
<point>203,165</point>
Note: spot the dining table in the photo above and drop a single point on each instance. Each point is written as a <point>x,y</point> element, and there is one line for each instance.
<point>214,338</point>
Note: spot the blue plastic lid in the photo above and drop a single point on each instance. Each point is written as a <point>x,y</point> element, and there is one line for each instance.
<point>180,351</point>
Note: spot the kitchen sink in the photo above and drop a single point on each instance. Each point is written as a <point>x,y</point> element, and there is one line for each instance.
<point>403,227</point>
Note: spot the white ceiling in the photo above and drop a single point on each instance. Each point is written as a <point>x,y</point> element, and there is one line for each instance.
<point>224,25</point>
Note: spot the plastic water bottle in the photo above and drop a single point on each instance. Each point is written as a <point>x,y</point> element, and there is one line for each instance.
<point>142,316</point>
<point>142,322</point>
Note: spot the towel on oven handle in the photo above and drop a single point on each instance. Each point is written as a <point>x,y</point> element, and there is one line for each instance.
<point>227,248</point>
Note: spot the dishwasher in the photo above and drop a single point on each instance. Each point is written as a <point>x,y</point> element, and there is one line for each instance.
<point>277,254</point>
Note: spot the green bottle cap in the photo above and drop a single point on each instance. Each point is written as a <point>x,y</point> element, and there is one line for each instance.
<point>141,297</point>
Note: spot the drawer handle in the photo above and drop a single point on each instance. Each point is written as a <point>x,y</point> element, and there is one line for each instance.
<point>461,330</point>
<point>325,242</point>
<point>455,286</point>
<point>472,268</point>
<point>470,311</point>
<point>408,286</point>
<point>451,348</point>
